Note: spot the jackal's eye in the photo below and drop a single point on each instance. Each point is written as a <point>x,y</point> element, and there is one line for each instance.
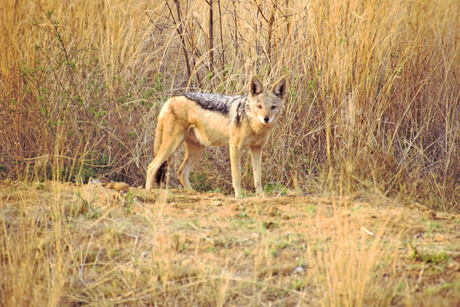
<point>259,106</point>
<point>273,107</point>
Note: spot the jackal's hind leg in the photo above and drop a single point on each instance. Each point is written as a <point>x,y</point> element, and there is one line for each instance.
<point>193,153</point>
<point>167,148</point>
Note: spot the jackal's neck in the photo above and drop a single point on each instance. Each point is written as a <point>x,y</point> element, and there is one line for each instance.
<point>258,127</point>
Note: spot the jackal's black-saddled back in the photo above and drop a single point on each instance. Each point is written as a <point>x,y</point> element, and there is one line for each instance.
<point>214,102</point>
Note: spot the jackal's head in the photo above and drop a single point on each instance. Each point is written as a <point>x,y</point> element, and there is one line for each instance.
<point>266,105</point>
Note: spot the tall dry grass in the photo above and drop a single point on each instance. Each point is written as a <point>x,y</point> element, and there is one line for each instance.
<point>373,97</point>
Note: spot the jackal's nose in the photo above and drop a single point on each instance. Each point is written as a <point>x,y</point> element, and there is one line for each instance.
<point>266,119</point>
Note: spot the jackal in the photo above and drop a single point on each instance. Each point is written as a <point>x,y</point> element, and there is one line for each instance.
<point>200,120</point>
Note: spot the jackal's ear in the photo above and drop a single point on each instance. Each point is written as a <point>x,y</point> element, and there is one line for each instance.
<point>279,89</point>
<point>255,87</point>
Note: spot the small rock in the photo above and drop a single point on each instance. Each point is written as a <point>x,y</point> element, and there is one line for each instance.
<point>93,181</point>
<point>103,180</point>
<point>298,270</point>
<point>273,211</point>
<point>430,214</point>
<point>121,187</point>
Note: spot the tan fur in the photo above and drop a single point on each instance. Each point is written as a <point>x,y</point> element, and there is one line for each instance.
<point>182,120</point>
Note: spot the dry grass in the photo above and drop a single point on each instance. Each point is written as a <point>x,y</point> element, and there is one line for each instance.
<point>70,245</point>
<point>373,98</point>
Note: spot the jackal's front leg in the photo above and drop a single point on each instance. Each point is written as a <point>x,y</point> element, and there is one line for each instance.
<point>235,161</point>
<point>256,157</point>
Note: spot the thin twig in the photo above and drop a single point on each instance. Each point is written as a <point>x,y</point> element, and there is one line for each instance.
<point>180,31</point>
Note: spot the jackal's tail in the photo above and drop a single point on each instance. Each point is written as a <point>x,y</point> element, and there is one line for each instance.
<point>160,176</point>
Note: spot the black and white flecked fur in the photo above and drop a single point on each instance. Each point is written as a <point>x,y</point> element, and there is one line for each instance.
<point>222,103</point>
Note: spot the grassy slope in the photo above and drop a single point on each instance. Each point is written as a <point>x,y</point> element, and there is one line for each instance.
<point>63,244</point>
<point>373,89</point>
